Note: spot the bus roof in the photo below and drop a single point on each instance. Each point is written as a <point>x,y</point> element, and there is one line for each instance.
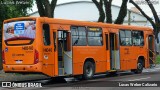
<point>81,23</point>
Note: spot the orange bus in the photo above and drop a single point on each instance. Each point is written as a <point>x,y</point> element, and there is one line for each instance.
<point>57,47</point>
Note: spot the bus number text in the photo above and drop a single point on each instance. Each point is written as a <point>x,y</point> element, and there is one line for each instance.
<point>27,48</point>
<point>47,49</point>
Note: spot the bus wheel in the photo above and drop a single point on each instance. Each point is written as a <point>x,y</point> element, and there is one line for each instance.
<point>88,70</point>
<point>139,67</point>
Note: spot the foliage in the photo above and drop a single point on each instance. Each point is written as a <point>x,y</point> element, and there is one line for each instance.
<point>158,59</point>
<point>14,8</point>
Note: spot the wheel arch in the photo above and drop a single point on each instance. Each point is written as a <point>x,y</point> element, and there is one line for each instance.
<point>90,60</point>
<point>141,58</point>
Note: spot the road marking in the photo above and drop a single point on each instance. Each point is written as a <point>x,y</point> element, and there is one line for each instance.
<point>139,79</point>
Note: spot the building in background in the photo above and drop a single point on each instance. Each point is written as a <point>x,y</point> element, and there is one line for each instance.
<point>87,11</point>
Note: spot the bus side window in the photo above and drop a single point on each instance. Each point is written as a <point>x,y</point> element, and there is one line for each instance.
<point>138,38</point>
<point>95,36</point>
<point>46,34</point>
<point>125,38</point>
<point>78,36</point>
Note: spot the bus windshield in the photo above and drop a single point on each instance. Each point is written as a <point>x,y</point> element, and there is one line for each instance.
<point>19,32</point>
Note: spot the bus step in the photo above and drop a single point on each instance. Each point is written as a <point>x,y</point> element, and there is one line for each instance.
<point>61,71</point>
<point>112,70</point>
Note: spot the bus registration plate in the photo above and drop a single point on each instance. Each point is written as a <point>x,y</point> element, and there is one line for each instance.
<point>18,61</point>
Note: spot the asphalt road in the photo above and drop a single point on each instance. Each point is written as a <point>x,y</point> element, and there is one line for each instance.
<point>103,82</point>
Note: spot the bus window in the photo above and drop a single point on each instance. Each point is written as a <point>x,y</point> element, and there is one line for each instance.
<point>78,36</point>
<point>46,34</point>
<point>137,37</point>
<point>95,36</point>
<point>64,40</point>
<point>19,32</point>
<point>125,38</point>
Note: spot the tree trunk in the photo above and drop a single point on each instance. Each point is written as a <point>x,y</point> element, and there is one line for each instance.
<point>108,11</point>
<point>40,7</point>
<point>99,6</point>
<point>45,9</point>
<point>122,13</point>
<point>53,5</point>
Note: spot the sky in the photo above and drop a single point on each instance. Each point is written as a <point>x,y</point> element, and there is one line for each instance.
<point>144,6</point>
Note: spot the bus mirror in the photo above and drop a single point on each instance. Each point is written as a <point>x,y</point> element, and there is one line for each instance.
<point>68,41</point>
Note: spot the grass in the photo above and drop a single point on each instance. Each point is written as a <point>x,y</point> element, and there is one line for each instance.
<point>158,59</point>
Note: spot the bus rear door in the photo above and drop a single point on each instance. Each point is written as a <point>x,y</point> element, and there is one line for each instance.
<point>114,51</point>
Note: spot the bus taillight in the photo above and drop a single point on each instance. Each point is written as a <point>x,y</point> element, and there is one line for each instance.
<point>3,57</point>
<point>36,57</point>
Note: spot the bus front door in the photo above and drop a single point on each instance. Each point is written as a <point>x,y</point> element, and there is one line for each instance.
<point>151,49</point>
<point>64,53</point>
<point>114,51</point>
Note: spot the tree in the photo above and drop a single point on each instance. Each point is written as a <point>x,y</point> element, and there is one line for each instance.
<point>12,9</point>
<point>108,10</point>
<point>45,8</point>
<point>107,13</point>
<point>155,24</point>
<point>99,6</point>
<point>122,13</point>
<point>16,8</point>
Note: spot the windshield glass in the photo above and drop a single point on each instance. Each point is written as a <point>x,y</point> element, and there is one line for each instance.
<point>19,30</point>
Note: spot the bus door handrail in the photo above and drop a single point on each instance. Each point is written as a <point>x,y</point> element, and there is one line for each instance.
<point>154,61</point>
<point>64,51</point>
<point>115,63</point>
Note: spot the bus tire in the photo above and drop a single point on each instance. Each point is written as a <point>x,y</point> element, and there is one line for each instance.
<point>88,70</point>
<point>139,67</point>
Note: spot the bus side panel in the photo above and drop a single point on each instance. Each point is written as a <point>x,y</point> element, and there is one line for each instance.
<point>98,53</point>
<point>132,58</point>
<point>123,62</point>
<point>80,54</point>
<point>78,58</point>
